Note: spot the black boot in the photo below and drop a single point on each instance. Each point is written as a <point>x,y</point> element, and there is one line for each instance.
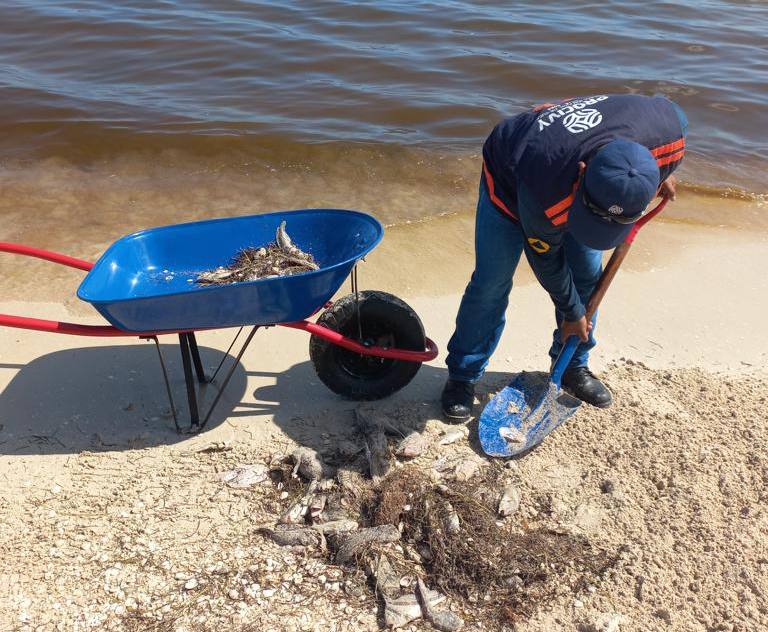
<point>458,399</point>
<point>582,383</point>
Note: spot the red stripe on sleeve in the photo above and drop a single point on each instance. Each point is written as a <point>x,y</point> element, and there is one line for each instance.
<point>492,193</point>
<point>678,155</point>
<point>665,149</point>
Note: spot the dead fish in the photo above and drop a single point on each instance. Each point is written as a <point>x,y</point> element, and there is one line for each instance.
<point>387,582</point>
<point>296,255</point>
<point>284,242</point>
<point>351,482</point>
<point>412,446</point>
<point>316,506</point>
<point>377,453</point>
<point>356,541</point>
<point>466,469</point>
<point>335,526</point>
<point>509,501</point>
<point>444,620</point>
<point>452,436</point>
<point>291,535</point>
<point>296,513</point>
<point>301,265</point>
<point>307,463</point>
<point>219,275</point>
<point>216,446</point>
<point>401,611</point>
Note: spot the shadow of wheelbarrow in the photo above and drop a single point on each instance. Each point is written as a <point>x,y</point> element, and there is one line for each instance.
<point>103,398</point>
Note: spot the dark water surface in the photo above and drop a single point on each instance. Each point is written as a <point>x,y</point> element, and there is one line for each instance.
<point>357,94</point>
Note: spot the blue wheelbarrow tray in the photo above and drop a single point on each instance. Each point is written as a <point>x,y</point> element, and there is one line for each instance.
<point>145,282</point>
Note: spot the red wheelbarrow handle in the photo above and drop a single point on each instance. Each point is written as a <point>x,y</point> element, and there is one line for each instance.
<point>48,255</point>
<point>337,339</point>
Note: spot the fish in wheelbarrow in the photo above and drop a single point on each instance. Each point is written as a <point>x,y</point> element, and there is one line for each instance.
<point>280,258</point>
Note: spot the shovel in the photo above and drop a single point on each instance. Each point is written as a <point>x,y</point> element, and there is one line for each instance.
<point>522,414</point>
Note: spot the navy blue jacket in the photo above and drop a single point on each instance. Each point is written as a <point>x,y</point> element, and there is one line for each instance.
<point>530,164</point>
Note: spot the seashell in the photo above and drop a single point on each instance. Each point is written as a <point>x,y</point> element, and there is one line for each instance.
<point>512,436</point>
<point>509,501</point>
<point>452,436</point>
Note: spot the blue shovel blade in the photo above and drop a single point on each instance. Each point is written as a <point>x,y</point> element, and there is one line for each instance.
<point>522,414</point>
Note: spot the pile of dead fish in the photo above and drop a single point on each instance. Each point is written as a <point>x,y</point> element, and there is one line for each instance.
<point>324,512</point>
<point>442,525</point>
<point>321,517</point>
<point>280,258</point>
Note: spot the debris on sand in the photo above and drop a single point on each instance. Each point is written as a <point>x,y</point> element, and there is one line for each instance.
<point>375,443</point>
<point>245,475</point>
<point>405,531</point>
<point>509,501</point>
<point>412,446</point>
<point>476,559</point>
<point>444,620</point>
<point>280,258</point>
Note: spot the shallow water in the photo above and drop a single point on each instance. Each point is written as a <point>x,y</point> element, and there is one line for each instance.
<point>119,117</point>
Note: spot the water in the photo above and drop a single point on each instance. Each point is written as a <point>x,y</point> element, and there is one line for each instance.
<point>150,112</point>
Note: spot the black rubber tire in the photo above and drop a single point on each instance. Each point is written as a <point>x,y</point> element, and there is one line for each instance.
<point>386,321</point>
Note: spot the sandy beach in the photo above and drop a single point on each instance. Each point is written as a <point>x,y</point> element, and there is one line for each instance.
<point>109,515</point>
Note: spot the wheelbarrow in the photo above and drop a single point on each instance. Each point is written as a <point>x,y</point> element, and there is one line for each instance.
<point>364,346</point>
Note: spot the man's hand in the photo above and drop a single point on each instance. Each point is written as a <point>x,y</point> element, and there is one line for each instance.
<point>580,328</point>
<point>668,188</point>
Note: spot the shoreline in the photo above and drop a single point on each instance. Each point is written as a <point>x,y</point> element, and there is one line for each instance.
<point>81,210</point>
<point>677,275</point>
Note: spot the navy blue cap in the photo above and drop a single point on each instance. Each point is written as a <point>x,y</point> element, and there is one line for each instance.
<point>619,182</point>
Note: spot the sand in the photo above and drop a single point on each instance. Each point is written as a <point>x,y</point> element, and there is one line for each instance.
<point>110,517</point>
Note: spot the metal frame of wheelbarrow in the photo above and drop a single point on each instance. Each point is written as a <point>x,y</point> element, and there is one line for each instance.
<point>190,355</point>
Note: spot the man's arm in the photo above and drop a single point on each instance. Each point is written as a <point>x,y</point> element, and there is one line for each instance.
<point>545,253</point>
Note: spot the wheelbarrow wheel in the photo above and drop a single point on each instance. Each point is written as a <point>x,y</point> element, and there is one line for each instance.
<point>385,321</point>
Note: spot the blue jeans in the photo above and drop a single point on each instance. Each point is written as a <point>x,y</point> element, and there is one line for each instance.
<point>480,321</point>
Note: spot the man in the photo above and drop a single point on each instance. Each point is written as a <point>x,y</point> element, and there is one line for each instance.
<point>562,182</point>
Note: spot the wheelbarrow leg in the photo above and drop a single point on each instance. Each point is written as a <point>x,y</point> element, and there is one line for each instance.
<point>167,382</point>
<point>186,360</point>
<point>196,358</point>
<point>229,373</point>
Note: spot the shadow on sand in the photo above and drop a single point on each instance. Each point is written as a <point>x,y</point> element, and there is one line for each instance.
<point>306,411</point>
<point>105,398</point>
<point>114,398</point>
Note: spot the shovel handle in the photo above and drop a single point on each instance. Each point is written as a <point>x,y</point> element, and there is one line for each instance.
<point>619,253</point>
<point>611,268</point>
